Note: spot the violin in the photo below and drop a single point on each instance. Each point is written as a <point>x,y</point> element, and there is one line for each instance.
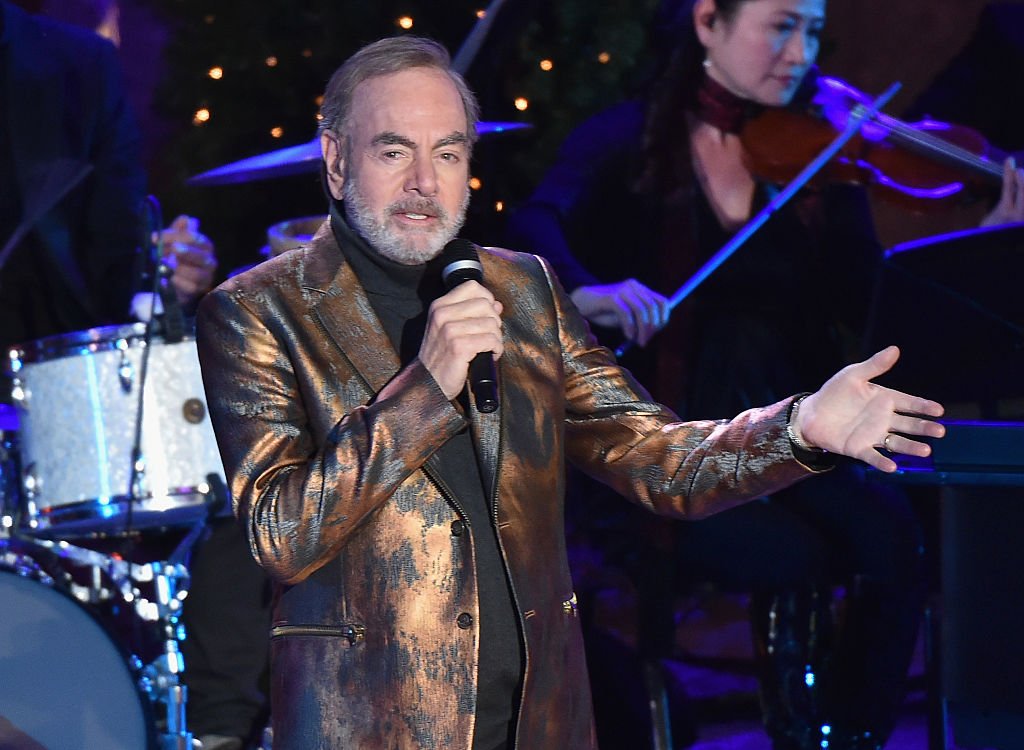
<point>922,166</point>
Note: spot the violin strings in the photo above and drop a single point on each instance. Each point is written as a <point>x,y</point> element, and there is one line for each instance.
<point>929,143</point>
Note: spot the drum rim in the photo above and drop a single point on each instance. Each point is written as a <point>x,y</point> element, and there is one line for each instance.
<point>90,340</point>
<point>55,585</point>
<point>14,560</point>
<point>70,519</point>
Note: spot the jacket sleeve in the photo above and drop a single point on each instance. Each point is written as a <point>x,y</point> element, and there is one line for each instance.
<point>616,433</point>
<point>301,496</point>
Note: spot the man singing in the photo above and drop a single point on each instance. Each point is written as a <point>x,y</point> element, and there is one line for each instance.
<point>423,597</point>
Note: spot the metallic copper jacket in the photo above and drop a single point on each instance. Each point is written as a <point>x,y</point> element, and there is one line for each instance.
<point>328,451</point>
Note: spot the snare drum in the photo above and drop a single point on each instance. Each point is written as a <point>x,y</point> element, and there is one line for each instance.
<point>81,407</point>
<point>63,681</point>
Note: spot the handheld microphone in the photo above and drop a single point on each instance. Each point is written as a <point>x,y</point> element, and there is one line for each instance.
<point>460,263</point>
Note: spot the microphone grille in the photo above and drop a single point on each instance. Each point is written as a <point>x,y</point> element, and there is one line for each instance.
<point>459,249</point>
<point>460,262</point>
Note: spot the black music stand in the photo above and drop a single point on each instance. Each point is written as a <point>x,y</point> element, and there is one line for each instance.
<point>955,306</point>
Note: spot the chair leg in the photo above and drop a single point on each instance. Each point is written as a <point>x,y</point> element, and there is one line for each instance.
<point>657,698</point>
<point>938,726</point>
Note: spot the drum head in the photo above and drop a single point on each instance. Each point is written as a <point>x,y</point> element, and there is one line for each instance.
<point>63,682</point>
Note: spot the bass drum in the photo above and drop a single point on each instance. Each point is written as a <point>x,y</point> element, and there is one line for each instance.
<point>63,681</point>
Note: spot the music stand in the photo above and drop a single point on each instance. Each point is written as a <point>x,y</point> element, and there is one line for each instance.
<point>954,305</point>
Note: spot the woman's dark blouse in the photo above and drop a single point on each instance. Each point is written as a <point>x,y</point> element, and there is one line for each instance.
<point>778,317</point>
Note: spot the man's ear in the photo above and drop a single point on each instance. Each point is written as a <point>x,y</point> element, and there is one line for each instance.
<point>334,163</point>
<point>705,12</point>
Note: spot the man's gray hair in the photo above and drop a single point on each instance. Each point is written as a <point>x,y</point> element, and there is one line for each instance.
<point>384,57</point>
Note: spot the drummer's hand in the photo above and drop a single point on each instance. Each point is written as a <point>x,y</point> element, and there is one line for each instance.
<point>190,254</point>
<point>1010,208</point>
<point>638,311</point>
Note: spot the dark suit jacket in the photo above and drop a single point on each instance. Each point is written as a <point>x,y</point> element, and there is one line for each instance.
<point>67,115</point>
<point>328,447</point>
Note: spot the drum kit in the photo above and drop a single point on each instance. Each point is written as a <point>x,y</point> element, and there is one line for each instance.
<point>108,459</point>
<point>108,443</point>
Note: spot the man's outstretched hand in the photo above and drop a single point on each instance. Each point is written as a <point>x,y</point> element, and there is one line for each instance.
<point>857,418</point>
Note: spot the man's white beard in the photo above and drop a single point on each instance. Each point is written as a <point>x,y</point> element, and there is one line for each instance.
<point>394,244</point>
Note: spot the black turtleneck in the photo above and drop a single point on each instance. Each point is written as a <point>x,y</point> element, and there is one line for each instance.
<point>400,296</point>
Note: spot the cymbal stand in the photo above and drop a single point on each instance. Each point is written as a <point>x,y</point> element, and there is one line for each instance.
<point>161,678</point>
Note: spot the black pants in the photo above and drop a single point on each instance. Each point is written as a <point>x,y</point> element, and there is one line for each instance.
<point>227,623</point>
<point>828,530</point>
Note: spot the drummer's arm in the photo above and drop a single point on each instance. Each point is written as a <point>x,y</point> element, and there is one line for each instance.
<point>191,256</point>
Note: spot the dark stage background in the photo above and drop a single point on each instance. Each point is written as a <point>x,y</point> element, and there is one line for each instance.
<point>276,55</point>
<point>214,81</point>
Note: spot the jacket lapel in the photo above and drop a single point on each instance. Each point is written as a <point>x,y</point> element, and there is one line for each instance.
<point>487,427</point>
<point>347,315</point>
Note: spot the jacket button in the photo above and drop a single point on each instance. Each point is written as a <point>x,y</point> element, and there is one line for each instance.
<point>458,527</point>
<point>465,620</point>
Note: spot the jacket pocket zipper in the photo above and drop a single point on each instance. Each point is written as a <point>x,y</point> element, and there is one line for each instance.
<point>352,633</point>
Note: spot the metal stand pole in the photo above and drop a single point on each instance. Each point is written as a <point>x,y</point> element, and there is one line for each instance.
<point>162,678</point>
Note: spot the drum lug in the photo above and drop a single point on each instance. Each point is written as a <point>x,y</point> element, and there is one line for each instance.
<point>15,360</point>
<point>19,394</point>
<point>30,483</point>
<point>139,477</point>
<point>125,370</point>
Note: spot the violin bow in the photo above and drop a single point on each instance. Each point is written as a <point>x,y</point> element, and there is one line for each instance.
<point>858,116</point>
<point>475,39</point>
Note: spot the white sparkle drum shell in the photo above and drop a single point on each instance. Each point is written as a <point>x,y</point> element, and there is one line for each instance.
<point>63,681</point>
<point>78,403</point>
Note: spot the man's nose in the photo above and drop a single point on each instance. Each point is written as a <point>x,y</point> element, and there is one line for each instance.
<point>422,177</point>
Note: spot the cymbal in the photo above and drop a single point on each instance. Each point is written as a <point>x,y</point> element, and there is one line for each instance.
<point>300,159</point>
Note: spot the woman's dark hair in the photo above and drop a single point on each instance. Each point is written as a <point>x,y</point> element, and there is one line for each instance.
<point>674,90</point>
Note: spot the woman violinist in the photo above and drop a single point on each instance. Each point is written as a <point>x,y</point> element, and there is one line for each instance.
<point>650,189</point>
